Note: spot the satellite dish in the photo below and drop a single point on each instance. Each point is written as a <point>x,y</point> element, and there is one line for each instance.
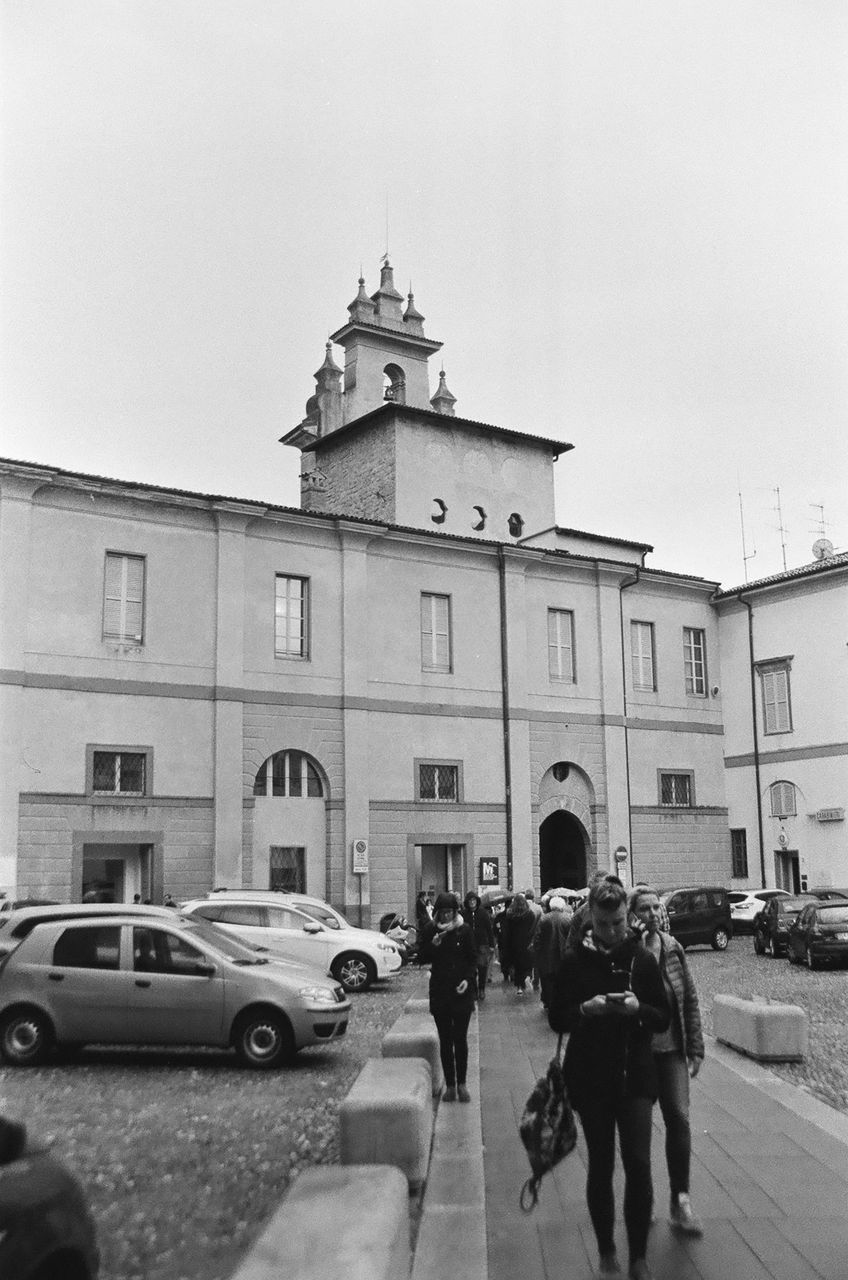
<point>822,548</point>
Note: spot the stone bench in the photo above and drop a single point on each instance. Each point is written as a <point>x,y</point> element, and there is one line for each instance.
<point>764,1030</point>
<point>414,1035</point>
<point>335,1223</point>
<point>417,1004</point>
<point>387,1117</point>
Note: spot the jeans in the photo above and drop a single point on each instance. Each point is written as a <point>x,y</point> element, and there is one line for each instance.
<point>673,1082</point>
<point>452,1026</point>
<point>632,1117</point>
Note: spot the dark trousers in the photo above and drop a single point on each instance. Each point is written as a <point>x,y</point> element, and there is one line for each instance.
<point>452,1026</point>
<point>632,1118</point>
<point>673,1082</point>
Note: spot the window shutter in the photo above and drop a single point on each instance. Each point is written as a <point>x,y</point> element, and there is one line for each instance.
<point>112,596</point>
<point>134,614</point>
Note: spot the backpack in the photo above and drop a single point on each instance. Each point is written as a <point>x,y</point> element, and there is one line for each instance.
<point>547,1127</point>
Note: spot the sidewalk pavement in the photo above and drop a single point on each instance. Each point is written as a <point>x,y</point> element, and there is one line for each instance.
<point>769,1173</point>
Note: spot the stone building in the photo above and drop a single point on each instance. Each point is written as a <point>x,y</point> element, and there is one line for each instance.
<point>419,677</point>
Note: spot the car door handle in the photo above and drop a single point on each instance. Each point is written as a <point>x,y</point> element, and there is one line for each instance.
<point>56,977</point>
<point>142,982</point>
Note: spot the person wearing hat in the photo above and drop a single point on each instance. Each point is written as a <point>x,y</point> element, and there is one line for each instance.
<point>449,948</point>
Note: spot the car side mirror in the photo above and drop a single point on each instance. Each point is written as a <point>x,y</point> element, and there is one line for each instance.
<point>313,927</point>
<point>205,969</point>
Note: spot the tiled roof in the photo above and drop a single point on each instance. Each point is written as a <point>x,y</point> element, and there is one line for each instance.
<point>790,575</point>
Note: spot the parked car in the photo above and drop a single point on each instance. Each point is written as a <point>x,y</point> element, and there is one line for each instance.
<point>828,894</point>
<point>315,907</point>
<point>12,904</point>
<point>699,914</point>
<point>17,924</point>
<point>355,957</point>
<point>46,1228</point>
<point>746,906</point>
<point>771,926</point>
<point>819,934</point>
<point>129,980</point>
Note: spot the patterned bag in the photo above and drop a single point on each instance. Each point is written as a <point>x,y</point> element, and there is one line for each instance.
<point>548,1128</point>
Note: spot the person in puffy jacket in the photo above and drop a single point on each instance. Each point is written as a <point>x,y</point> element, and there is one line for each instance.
<point>608,995</point>
<point>549,944</point>
<point>448,947</point>
<point>516,933</point>
<point>678,1054</point>
<point>479,920</point>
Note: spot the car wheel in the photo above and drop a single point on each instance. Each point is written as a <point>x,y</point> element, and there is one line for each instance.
<point>719,939</point>
<point>354,971</point>
<point>263,1039</point>
<point>812,964</point>
<point>26,1037</point>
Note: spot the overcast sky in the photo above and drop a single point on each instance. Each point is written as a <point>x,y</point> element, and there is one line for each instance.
<point>626,221</point>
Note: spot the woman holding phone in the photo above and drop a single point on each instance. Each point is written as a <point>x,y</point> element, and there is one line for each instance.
<point>450,950</point>
<point>608,995</point>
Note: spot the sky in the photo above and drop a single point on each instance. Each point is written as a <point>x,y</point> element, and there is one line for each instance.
<point>626,221</point>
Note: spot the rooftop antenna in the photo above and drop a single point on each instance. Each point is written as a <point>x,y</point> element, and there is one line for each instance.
<point>746,555</point>
<point>821,523</point>
<point>385,257</point>
<point>782,530</point>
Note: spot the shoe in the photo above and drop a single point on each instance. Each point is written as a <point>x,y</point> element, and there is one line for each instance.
<point>449,1094</point>
<point>608,1265</point>
<point>683,1217</point>
<point>463,1094</point>
<point>640,1271</point>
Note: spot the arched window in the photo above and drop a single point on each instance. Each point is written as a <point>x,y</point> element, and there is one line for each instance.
<point>394,384</point>
<point>288,773</point>
<point>783,802</point>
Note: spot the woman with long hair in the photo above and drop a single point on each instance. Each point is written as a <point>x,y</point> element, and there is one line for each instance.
<point>517,931</point>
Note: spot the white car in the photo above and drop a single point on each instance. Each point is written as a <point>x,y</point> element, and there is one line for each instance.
<point>355,957</point>
<point>315,907</point>
<point>744,906</point>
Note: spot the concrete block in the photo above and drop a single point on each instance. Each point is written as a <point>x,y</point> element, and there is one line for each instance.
<point>336,1223</point>
<point>414,1035</point>
<point>417,1004</point>
<point>764,1030</point>
<point>387,1117</point>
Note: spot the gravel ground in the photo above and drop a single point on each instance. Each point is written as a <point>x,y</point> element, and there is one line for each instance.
<point>186,1154</point>
<point>823,994</point>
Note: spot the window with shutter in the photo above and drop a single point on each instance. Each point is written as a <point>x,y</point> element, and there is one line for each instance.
<point>783,801</point>
<point>561,645</point>
<point>642,655</point>
<point>774,689</point>
<point>123,598</point>
<point>435,632</point>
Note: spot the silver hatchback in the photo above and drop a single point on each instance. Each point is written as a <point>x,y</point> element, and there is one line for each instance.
<point>128,980</point>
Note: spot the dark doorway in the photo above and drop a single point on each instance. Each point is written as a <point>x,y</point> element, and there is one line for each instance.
<point>562,852</point>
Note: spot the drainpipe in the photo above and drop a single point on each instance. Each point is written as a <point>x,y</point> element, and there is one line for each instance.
<point>756,735</point>
<point>505,714</point>
<point>628,582</point>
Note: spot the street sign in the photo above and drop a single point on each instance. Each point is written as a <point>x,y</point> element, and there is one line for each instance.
<point>360,857</point>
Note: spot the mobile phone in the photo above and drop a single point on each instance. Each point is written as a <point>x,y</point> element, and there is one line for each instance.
<point>616,997</point>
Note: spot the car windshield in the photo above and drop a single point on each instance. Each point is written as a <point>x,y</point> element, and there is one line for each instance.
<point>833,915</point>
<point>791,906</point>
<point>223,942</point>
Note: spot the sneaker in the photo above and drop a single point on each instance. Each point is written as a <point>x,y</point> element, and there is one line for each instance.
<point>608,1265</point>
<point>463,1094</point>
<point>449,1094</point>
<point>683,1217</point>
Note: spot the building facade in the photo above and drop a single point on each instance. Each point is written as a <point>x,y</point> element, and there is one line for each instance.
<point>417,678</point>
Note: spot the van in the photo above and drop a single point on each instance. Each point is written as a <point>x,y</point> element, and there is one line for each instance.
<point>699,914</point>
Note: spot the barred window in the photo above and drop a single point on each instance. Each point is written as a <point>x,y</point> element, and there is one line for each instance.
<point>287,873</point>
<point>774,687</point>
<point>561,645</point>
<point>288,773</point>
<point>120,773</point>
<point>695,661</point>
<point>676,789</point>
<point>291,617</point>
<point>783,801</point>
<point>438,782</point>
<point>435,632</point>
<point>123,598</point>
<point>739,853</point>
<point>642,655</point>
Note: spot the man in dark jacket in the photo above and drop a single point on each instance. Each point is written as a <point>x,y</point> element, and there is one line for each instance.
<point>611,1002</point>
<point>479,921</point>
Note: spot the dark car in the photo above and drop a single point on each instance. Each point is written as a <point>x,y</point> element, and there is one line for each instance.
<point>771,927</point>
<point>819,935</point>
<point>699,914</point>
<point>46,1228</point>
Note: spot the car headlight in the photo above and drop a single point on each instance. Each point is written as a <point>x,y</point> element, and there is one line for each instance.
<point>386,946</point>
<point>323,995</point>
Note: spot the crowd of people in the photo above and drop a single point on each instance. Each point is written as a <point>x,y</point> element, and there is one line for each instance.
<point>613,980</point>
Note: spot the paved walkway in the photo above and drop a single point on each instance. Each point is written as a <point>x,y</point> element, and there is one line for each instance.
<point>769,1172</point>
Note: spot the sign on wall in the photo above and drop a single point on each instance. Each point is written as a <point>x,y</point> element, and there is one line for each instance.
<point>488,871</point>
<point>360,857</point>
<point>830,815</point>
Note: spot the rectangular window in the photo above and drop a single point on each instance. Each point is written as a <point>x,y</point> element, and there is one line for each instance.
<point>119,773</point>
<point>642,655</point>
<point>676,790</point>
<point>777,712</point>
<point>438,781</point>
<point>695,661</point>
<point>435,633</point>
<point>561,645</point>
<point>123,598</point>
<point>287,869</point>
<point>739,853</point>
<point>291,617</point>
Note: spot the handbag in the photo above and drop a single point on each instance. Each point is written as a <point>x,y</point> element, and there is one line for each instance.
<point>547,1127</point>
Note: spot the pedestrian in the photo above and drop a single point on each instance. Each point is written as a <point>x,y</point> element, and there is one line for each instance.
<point>168,901</point>
<point>581,921</point>
<point>516,932</point>
<point>608,996</point>
<point>636,923</point>
<point>479,921</point>
<point>137,899</point>
<point>448,947</point>
<point>423,912</point>
<point>549,943</point>
<point>530,895</point>
<point>678,1054</point>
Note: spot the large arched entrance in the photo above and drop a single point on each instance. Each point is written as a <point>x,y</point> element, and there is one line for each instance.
<point>562,851</point>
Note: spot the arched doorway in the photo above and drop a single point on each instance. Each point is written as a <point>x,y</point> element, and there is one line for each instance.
<point>289,824</point>
<point>562,851</point>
